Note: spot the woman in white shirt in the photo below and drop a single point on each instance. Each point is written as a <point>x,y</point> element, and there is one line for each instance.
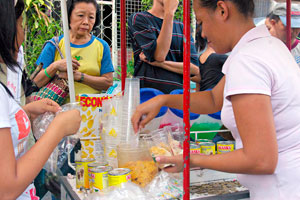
<point>259,97</point>
<point>18,166</point>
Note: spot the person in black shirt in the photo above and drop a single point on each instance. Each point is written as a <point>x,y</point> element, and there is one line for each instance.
<point>157,42</point>
<point>211,63</point>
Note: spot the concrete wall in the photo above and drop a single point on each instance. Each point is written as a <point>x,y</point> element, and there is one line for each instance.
<point>263,7</point>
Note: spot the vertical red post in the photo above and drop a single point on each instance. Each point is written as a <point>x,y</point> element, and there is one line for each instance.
<point>186,98</point>
<point>123,44</point>
<point>288,24</point>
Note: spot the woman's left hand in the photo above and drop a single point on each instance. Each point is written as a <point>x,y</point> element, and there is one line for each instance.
<point>176,161</point>
<point>37,108</point>
<point>76,75</point>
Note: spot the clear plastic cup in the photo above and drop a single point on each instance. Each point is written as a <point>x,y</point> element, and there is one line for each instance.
<point>131,100</point>
<point>110,154</point>
<point>139,161</point>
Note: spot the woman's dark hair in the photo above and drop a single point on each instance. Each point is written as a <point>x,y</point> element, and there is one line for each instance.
<point>71,5</point>
<point>246,7</point>
<point>200,41</point>
<point>271,16</point>
<point>8,32</point>
<point>19,8</point>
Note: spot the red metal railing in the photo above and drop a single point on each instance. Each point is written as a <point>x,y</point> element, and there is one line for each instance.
<point>123,44</point>
<point>186,97</point>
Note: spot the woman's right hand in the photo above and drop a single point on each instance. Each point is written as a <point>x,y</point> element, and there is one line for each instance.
<point>147,111</point>
<point>61,65</point>
<point>68,122</point>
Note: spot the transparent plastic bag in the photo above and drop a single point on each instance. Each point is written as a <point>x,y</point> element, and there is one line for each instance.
<point>159,145</point>
<point>60,153</point>
<point>165,186</point>
<point>175,138</point>
<point>41,123</point>
<point>127,191</point>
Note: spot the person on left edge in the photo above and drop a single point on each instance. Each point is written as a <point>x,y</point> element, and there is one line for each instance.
<point>93,69</point>
<point>13,78</point>
<point>20,165</point>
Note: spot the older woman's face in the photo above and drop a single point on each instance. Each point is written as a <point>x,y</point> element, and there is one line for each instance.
<point>210,27</point>
<point>83,18</point>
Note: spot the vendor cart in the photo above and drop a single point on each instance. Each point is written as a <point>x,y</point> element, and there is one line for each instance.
<point>194,180</point>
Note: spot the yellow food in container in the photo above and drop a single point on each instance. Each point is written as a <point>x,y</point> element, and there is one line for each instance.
<point>142,172</point>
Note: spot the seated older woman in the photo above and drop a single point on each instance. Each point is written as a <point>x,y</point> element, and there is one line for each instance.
<point>91,60</point>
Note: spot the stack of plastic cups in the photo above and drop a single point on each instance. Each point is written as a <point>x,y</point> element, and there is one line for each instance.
<point>103,124</point>
<point>131,100</point>
<point>111,129</point>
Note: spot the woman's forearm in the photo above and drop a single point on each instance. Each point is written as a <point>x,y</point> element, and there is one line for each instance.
<point>42,79</point>
<point>233,162</point>
<point>99,83</point>
<point>164,39</point>
<point>177,67</point>
<point>211,101</point>
<point>254,120</point>
<point>20,173</point>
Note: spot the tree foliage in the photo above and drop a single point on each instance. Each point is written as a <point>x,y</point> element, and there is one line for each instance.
<point>39,27</point>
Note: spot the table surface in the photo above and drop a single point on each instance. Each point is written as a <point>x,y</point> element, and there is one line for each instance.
<point>197,178</point>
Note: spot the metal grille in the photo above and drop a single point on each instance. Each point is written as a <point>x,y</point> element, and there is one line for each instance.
<point>132,6</point>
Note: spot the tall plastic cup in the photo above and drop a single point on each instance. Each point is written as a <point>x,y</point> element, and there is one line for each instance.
<point>131,100</point>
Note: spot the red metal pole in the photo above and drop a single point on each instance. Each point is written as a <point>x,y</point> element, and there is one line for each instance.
<point>288,24</point>
<point>123,44</point>
<point>186,98</point>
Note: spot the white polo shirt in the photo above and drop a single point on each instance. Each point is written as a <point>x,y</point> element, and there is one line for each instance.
<point>262,64</point>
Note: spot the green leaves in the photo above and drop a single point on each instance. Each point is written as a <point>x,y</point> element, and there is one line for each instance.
<point>39,27</point>
<point>130,70</point>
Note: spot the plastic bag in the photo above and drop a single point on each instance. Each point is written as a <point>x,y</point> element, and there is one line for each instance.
<point>59,154</point>
<point>127,191</point>
<point>41,123</point>
<point>165,186</point>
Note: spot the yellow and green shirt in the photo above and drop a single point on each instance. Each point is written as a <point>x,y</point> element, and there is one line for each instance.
<point>94,58</point>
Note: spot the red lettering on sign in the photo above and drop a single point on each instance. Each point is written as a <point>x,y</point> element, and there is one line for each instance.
<point>224,147</point>
<point>83,101</point>
<point>295,13</point>
<point>92,101</point>
<point>195,151</point>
